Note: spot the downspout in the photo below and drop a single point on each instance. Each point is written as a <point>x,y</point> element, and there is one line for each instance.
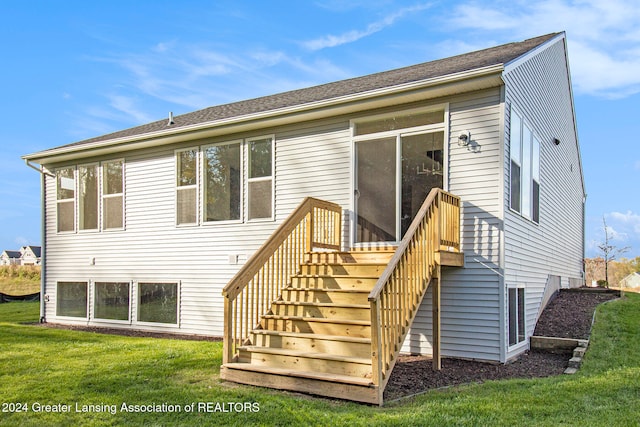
<point>43,231</point>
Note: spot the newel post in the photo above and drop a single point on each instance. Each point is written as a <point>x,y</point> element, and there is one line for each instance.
<point>227,344</point>
<point>376,344</point>
<point>310,226</point>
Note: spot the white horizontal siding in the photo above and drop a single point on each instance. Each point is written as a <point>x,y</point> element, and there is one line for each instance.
<point>539,89</point>
<point>470,297</point>
<point>152,248</point>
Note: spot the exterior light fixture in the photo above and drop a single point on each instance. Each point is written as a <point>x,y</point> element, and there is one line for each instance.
<point>464,138</point>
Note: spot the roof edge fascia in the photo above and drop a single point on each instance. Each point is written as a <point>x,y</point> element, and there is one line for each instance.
<point>516,62</point>
<point>68,152</point>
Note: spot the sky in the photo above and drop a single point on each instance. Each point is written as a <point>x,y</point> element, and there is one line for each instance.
<point>75,69</point>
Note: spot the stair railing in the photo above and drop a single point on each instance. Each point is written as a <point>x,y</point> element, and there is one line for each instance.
<point>248,296</point>
<point>398,294</point>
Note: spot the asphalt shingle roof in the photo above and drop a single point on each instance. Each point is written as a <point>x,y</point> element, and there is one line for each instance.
<point>456,64</point>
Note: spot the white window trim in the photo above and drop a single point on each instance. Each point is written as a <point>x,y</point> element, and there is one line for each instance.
<point>99,195</point>
<point>197,186</point>
<point>247,144</point>
<point>73,199</point>
<point>113,321</point>
<point>534,137</point>
<point>398,134</point>
<point>136,312</point>
<point>242,183</point>
<point>525,340</point>
<point>72,318</point>
<point>107,196</point>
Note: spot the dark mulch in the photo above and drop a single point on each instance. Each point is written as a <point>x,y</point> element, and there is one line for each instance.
<point>130,332</point>
<point>568,315</point>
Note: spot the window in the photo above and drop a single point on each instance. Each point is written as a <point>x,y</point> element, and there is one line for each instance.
<point>535,175</point>
<point>88,197</point>
<point>187,186</point>
<point>65,195</point>
<point>404,121</point>
<point>90,194</point>
<point>260,182</point>
<point>158,302</point>
<point>399,159</point>
<point>222,182</point>
<point>71,299</point>
<point>113,195</point>
<point>111,300</point>
<point>525,169</point>
<point>516,312</point>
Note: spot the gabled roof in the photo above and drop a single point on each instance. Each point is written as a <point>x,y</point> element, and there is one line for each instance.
<point>37,250</point>
<point>12,254</point>
<point>494,58</point>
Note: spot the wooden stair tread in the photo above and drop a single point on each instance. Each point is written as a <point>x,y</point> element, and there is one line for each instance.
<point>308,289</point>
<point>339,276</point>
<point>306,354</point>
<point>322,304</point>
<point>320,376</point>
<point>356,264</point>
<point>318,319</point>
<point>314,336</point>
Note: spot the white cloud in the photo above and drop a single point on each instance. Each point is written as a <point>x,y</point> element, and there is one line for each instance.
<point>128,106</point>
<point>629,220</point>
<point>603,46</point>
<point>22,241</point>
<point>354,35</point>
<point>636,165</point>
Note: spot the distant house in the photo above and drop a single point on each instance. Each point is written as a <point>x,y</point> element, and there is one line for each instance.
<point>631,281</point>
<point>429,209</point>
<point>30,255</point>
<point>10,258</point>
<point>27,255</point>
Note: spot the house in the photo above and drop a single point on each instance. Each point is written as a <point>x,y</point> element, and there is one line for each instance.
<point>27,255</point>
<point>10,258</point>
<point>30,255</point>
<point>631,281</point>
<point>278,222</point>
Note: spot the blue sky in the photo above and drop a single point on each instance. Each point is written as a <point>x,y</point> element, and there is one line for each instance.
<point>76,69</point>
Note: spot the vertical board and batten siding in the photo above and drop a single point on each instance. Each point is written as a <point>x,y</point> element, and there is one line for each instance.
<point>153,249</point>
<point>539,89</point>
<point>470,296</point>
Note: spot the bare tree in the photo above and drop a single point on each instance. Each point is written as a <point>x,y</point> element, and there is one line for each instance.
<point>609,251</point>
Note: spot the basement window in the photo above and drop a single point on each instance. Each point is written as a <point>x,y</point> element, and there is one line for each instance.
<point>158,302</point>
<point>111,300</point>
<point>71,299</point>
<point>516,311</point>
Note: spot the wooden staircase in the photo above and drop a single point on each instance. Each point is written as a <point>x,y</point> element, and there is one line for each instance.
<point>301,315</point>
<point>316,338</point>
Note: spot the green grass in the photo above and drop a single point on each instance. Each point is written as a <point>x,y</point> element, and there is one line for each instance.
<point>51,366</point>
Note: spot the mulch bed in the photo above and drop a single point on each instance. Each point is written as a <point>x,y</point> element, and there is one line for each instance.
<point>568,315</point>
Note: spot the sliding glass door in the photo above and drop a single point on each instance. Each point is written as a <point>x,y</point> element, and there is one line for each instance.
<point>393,176</point>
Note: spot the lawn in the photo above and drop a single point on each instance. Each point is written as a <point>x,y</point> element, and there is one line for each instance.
<point>176,382</point>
